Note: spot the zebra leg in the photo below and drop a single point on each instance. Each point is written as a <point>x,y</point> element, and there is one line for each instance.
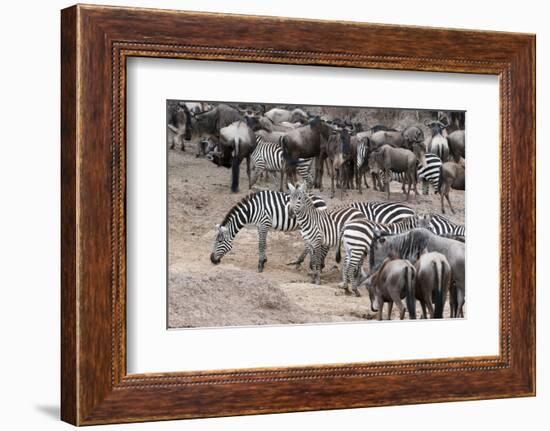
<point>262,236</point>
<point>425,187</point>
<point>449,201</point>
<point>300,259</point>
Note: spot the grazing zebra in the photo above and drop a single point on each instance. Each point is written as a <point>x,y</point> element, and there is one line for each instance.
<point>320,229</point>
<point>268,156</point>
<point>384,212</point>
<point>265,209</point>
<point>442,226</point>
<point>429,173</point>
<point>356,237</point>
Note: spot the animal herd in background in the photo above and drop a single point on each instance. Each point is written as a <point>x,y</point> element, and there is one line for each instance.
<point>288,142</point>
<point>408,256</point>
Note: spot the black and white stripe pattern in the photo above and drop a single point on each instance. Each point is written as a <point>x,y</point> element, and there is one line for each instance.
<point>320,229</point>
<point>266,209</point>
<point>268,156</point>
<point>442,226</point>
<point>384,212</point>
<point>429,173</point>
<point>357,237</point>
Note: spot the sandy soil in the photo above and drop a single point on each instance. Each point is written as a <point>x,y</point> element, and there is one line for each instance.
<point>233,293</point>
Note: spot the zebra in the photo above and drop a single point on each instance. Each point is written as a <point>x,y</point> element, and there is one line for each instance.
<point>429,173</point>
<point>265,209</point>
<point>362,166</point>
<point>384,212</point>
<point>320,229</point>
<point>357,236</point>
<point>442,226</point>
<point>268,156</point>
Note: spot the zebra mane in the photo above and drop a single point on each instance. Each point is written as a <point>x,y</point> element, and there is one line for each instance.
<point>239,204</point>
<point>407,245</point>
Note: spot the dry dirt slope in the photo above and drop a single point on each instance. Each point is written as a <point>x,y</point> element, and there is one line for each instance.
<point>233,293</point>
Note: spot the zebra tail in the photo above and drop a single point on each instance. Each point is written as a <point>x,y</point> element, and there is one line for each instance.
<point>438,313</point>
<point>235,168</point>
<point>338,253</point>
<point>411,300</point>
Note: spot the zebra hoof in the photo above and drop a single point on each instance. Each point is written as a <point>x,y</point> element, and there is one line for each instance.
<point>261,265</point>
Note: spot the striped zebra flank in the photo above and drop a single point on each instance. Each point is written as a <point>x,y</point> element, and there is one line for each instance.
<point>268,157</point>
<point>429,173</point>
<point>442,226</point>
<point>320,229</point>
<point>384,212</point>
<point>356,240</point>
<point>266,210</point>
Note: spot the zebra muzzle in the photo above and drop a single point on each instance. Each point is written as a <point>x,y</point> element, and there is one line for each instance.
<point>215,260</point>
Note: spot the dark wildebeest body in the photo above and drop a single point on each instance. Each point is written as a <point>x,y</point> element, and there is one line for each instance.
<point>240,140</point>
<point>433,282</point>
<point>401,139</point>
<point>412,244</point>
<point>457,144</point>
<point>394,281</point>
<point>209,123</point>
<point>177,126</point>
<point>305,142</point>
<point>338,152</point>
<point>438,144</point>
<point>387,159</point>
<point>452,176</point>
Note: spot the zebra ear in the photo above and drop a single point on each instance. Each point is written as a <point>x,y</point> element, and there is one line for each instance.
<point>291,187</point>
<point>217,226</point>
<point>223,229</point>
<point>302,187</point>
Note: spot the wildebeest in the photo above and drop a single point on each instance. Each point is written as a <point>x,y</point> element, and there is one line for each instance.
<point>393,281</point>
<point>433,282</point>
<point>452,176</point>
<point>209,123</point>
<point>338,151</point>
<point>240,140</point>
<point>387,159</point>
<point>405,138</point>
<point>457,144</point>
<point>305,142</point>
<point>278,115</point>
<point>438,143</point>
<point>412,244</point>
<point>178,126</point>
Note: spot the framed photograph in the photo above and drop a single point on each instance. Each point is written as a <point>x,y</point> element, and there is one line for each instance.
<point>255,223</point>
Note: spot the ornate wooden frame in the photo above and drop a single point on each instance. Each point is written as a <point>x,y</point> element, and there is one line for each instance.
<point>95,43</point>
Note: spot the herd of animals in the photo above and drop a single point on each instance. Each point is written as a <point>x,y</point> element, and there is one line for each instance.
<point>410,257</point>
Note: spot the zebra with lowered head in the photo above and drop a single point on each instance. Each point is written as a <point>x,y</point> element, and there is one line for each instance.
<point>267,210</point>
<point>268,156</point>
<point>356,238</point>
<point>320,229</point>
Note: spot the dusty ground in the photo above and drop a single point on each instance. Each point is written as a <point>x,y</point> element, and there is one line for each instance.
<point>201,294</point>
